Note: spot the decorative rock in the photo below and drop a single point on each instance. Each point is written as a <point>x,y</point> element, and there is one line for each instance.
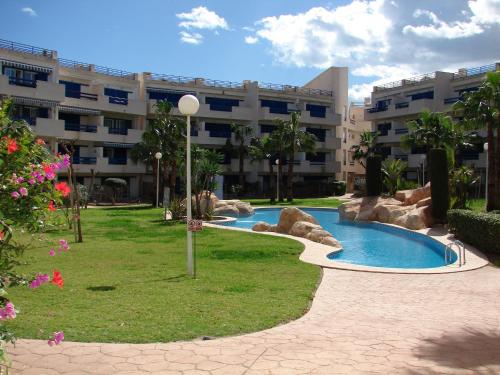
<point>424,202</point>
<point>349,210</point>
<point>302,228</point>
<point>290,216</point>
<point>330,241</point>
<point>244,208</point>
<point>227,211</point>
<point>390,213</point>
<point>261,226</point>
<point>409,197</point>
<point>317,234</point>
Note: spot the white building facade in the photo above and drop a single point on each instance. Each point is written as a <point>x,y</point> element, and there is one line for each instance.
<point>105,111</point>
<point>396,103</point>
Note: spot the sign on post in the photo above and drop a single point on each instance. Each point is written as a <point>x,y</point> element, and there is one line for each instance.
<point>195,225</point>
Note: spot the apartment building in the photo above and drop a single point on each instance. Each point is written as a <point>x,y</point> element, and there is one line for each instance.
<point>353,173</point>
<point>104,111</point>
<point>396,103</point>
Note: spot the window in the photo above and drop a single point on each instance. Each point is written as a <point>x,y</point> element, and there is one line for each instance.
<point>116,96</point>
<point>316,110</point>
<point>117,125</point>
<point>170,96</point>
<point>267,128</point>
<point>21,77</point>
<point>218,130</point>
<point>320,134</point>
<point>222,104</point>
<point>422,95</point>
<point>383,128</point>
<point>72,89</point>
<point>29,113</point>
<point>275,106</point>
<point>317,158</point>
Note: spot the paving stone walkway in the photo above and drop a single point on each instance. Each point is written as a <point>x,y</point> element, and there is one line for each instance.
<point>359,323</point>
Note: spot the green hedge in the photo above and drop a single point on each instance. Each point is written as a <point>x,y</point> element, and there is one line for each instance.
<point>438,173</point>
<point>481,230</point>
<point>373,175</point>
<point>339,187</point>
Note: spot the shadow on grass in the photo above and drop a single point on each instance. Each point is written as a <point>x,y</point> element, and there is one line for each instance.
<point>101,288</point>
<point>468,349</point>
<point>126,208</point>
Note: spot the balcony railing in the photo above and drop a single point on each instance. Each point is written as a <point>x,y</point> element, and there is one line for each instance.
<point>80,95</point>
<point>407,82</point>
<point>77,65</point>
<point>117,160</point>
<point>317,163</point>
<point>22,82</point>
<point>25,48</point>
<point>401,157</point>
<point>451,100</point>
<point>377,109</point>
<point>30,120</point>
<point>122,131</point>
<point>402,105</point>
<point>401,131</point>
<point>220,133</point>
<point>84,160</point>
<point>470,72</point>
<point>80,128</point>
<point>297,89</point>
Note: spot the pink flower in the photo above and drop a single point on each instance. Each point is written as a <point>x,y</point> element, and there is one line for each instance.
<point>23,191</point>
<point>31,181</point>
<point>20,180</point>
<point>8,312</point>
<point>63,245</point>
<point>39,280</point>
<point>15,195</point>
<point>52,252</point>
<point>50,175</point>
<point>58,338</point>
<point>65,161</point>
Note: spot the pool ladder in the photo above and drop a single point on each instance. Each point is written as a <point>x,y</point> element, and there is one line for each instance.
<point>448,252</point>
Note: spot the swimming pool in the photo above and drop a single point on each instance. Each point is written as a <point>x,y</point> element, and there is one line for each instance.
<point>368,244</point>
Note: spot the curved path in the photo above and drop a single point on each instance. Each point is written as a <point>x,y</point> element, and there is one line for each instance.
<point>360,322</point>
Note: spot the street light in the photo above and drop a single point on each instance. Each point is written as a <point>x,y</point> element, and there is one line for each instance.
<point>277,181</point>
<point>188,106</point>
<point>158,156</point>
<point>422,158</point>
<point>485,146</point>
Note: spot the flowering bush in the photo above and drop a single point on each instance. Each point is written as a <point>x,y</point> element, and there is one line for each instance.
<point>28,198</point>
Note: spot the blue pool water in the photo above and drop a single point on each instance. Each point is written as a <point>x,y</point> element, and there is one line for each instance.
<point>369,244</point>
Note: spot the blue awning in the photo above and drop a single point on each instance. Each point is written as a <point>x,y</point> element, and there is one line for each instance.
<point>117,145</point>
<point>34,68</point>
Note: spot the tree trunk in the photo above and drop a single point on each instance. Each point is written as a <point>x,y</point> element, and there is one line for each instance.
<point>497,167</point>
<point>241,167</point>
<point>289,179</point>
<point>280,178</point>
<point>490,199</point>
<point>173,179</point>
<point>272,187</point>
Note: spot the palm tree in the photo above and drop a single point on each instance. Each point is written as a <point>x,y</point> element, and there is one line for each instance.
<point>164,134</point>
<point>278,141</point>
<point>241,133</point>
<point>481,109</point>
<point>264,149</point>
<point>296,140</point>
<point>365,148</point>
<point>392,171</point>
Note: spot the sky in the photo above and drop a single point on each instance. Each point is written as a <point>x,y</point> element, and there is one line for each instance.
<point>278,41</point>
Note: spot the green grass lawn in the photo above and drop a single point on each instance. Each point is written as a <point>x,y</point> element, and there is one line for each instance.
<point>127,283</point>
<point>306,202</point>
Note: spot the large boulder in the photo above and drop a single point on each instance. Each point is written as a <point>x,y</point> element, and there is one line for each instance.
<point>331,241</point>
<point>206,203</point>
<point>349,210</point>
<point>418,218</point>
<point>261,226</point>
<point>244,208</point>
<point>317,234</point>
<point>302,228</point>
<point>409,197</point>
<point>227,210</point>
<point>289,216</point>
<point>389,213</point>
<point>424,202</point>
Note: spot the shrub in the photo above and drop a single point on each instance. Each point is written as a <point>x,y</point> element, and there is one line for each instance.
<point>392,171</point>
<point>438,172</point>
<point>373,175</point>
<point>408,185</point>
<point>177,208</point>
<point>481,230</point>
<point>339,187</point>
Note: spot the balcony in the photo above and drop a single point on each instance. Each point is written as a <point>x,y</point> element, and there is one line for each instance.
<point>117,100</point>
<point>43,90</point>
<point>80,128</point>
<point>117,160</point>
<point>104,166</point>
<point>452,100</point>
<point>22,82</point>
<point>331,119</point>
<point>121,131</point>
<point>84,160</point>
<point>81,95</point>
<point>237,113</point>
<point>101,102</point>
<point>46,127</point>
<point>400,109</point>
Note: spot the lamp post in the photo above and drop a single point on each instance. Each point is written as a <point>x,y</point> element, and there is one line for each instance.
<point>158,156</point>
<point>277,181</point>
<point>422,158</point>
<point>188,106</point>
<point>485,146</point>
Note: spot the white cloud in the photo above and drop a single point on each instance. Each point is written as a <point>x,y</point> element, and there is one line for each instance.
<point>441,29</point>
<point>251,39</point>
<point>29,11</point>
<point>321,37</point>
<point>201,18</point>
<point>191,38</point>
<point>385,40</point>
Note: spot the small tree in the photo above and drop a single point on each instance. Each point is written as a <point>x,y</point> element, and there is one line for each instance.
<point>365,148</point>
<point>241,133</point>
<point>438,172</point>
<point>115,184</point>
<point>462,180</point>
<point>392,171</point>
<point>264,149</point>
